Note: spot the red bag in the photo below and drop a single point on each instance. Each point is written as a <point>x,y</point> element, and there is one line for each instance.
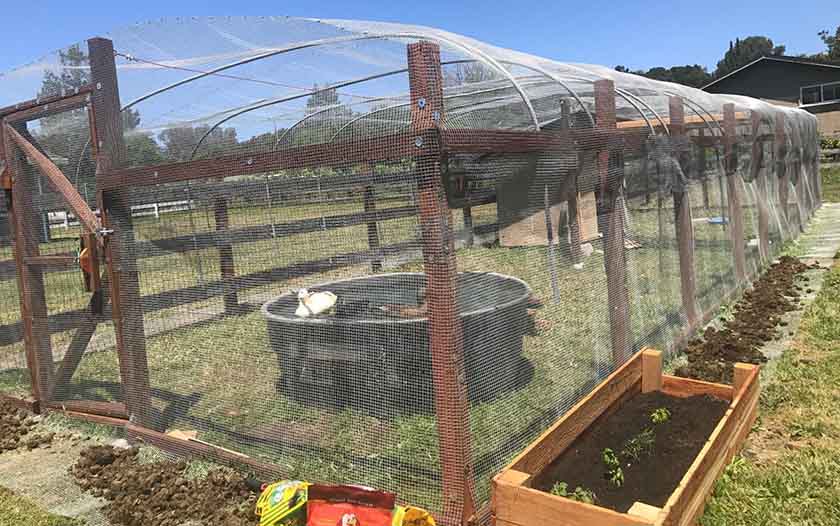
<point>353,505</point>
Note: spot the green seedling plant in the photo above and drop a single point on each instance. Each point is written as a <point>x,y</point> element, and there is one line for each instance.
<point>614,472</point>
<point>660,416</point>
<point>640,445</point>
<point>561,489</point>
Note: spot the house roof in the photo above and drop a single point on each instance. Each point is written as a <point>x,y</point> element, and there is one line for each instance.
<point>776,58</point>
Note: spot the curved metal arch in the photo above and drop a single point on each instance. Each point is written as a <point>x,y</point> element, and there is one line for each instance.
<point>694,105</point>
<point>351,38</point>
<point>301,121</point>
<point>289,98</point>
<point>386,108</point>
<point>625,94</point>
<point>556,79</point>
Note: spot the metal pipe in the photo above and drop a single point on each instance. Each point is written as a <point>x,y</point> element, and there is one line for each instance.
<point>337,40</point>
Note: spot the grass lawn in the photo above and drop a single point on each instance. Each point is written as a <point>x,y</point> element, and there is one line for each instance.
<point>17,511</point>
<point>831,184</point>
<point>788,474</point>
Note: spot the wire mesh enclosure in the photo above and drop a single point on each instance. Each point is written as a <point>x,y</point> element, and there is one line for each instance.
<point>367,252</point>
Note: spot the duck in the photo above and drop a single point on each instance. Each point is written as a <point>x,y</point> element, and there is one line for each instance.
<point>314,303</point>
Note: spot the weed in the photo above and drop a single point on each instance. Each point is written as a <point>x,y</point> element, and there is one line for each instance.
<point>641,444</point>
<point>660,416</point>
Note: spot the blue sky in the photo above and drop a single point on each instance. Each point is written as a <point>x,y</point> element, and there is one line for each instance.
<point>637,34</point>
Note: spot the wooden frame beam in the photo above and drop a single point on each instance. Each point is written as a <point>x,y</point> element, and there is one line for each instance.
<point>733,190</point>
<point>57,179</point>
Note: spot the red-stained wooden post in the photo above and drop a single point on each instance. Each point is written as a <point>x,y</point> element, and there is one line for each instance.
<point>25,223</point>
<point>611,211</point>
<point>119,247</point>
<point>445,330</point>
<point>682,215</point>
<point>759,176</point>
<point>733,191</point>
<point>780,158</point>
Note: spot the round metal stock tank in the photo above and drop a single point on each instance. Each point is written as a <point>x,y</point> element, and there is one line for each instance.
<point>372,352</point>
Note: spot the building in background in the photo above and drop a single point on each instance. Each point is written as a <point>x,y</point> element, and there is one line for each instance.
<point>789,81</point>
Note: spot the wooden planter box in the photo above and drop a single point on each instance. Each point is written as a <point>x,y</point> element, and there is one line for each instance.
<point>515,503</point>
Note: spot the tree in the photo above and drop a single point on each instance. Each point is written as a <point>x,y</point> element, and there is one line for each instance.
<point>688,75</point>
<point>321,99</point>
<point>742,52</point>
<point>832,45</point>
<point>467,73</point>
<point>179,143</point>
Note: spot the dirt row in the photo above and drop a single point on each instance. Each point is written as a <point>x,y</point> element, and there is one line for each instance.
<point>17,429</point>
<point>757,319</point>
<point>162,493</point>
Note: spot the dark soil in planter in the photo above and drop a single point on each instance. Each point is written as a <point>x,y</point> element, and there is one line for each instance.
<point>160,493</point>
<point>653,477</point>
<point>756,321</point>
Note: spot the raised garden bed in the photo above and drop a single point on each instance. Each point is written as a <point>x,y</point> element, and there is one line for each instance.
<point>634,391</point>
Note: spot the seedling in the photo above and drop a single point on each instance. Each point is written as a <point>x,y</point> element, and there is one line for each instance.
<point>641,444</point>
<point>660,416</point>
<point>561,489</point>
<point>614,472</point>
<point>616,477</point>
<point>610,459</point>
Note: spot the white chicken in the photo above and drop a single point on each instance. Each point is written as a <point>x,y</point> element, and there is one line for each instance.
<point>314,303</point>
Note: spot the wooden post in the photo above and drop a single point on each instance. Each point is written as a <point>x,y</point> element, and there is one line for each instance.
<point>25,222</point>
<point>611,214</point>
<point>682,216</point>
<point>445,331</point>
<point>651,370</point>
<point>733,191</point>
<point>226,262</point>
<point>701,167</point>
<point>759,177</point>
<point>780,158</point>
<point>120,252</point>
<point>372,225</point>
<point>468,226</point>
<point>571,193</point>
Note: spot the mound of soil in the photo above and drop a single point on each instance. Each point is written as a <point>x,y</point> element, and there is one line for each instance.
<point>159,493</point>
<point>654,476</point>
<point>16,429</point>
<point>758,314</point>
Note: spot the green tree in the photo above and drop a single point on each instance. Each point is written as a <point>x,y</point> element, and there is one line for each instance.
<point>832,44</point>
<point>742,52</point>
<point>179,143</point>
<point>688,75</point>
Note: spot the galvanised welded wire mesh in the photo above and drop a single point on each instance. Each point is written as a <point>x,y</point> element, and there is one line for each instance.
<point>499,232</point>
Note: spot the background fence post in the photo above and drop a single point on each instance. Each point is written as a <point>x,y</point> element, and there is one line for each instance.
<point>372,225</point>
<point>571,241</point>
<point>682,214</point>
<point>445,330</point>
<point>733,191</point>
<point>611,215</point>
<point>758,177</point>
<point>119,247</point>
<point>226,262</point>
<point>25,222</point>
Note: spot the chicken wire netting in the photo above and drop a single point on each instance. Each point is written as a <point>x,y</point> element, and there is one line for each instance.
<point>384,254</point>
